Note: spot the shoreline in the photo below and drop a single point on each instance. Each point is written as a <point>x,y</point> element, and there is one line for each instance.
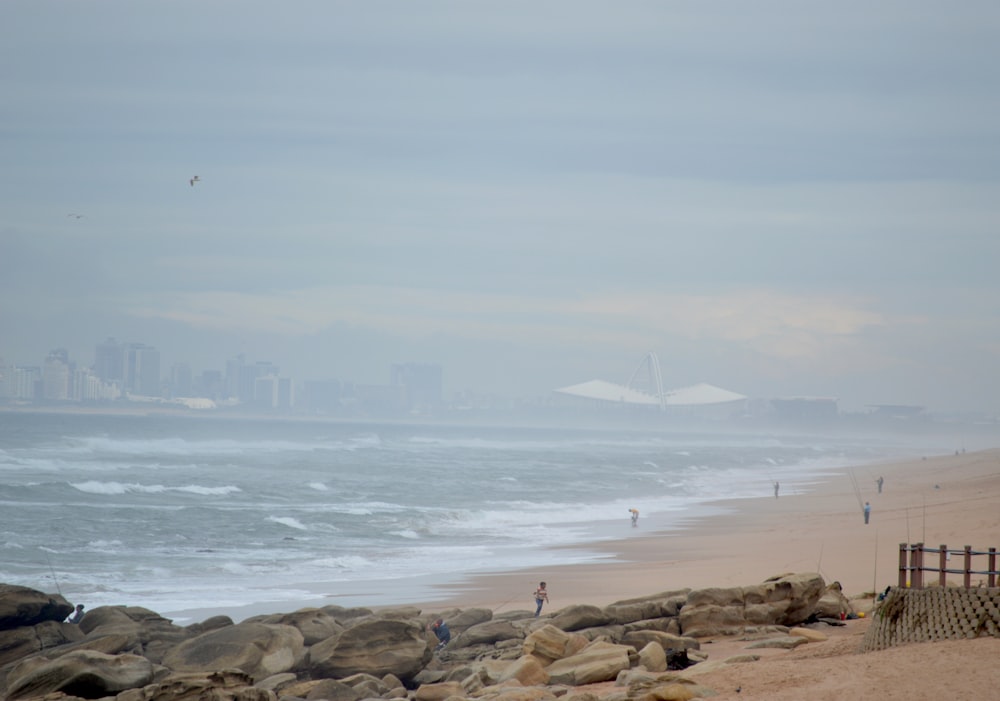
<point>820,530</point>
<point>726,543</point>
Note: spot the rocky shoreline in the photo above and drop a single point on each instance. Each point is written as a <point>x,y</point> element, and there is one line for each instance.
<point>646,646</point>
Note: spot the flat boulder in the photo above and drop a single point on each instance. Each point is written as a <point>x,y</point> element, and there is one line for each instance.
<point>598,662</point>
<point>785,642</point>
<point>84,673</point>
<point>640,638</point>
<point>487,632</point>
<point>257,649</point>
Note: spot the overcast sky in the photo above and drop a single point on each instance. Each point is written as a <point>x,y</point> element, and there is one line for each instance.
<point>777,197</point>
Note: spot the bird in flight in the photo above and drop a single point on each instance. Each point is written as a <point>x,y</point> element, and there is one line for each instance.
<point>75,216</point>
<point>194,180</point>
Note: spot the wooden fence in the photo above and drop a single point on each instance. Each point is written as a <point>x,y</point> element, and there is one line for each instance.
<point>913,563</point>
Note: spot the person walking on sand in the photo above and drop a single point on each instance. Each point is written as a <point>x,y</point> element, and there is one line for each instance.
<point>541,597</point>
<point>868,512</point>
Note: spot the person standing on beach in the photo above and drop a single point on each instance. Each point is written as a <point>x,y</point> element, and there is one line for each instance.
<point>541,597</point>
<point>635,516</point>
<point>775,489</point>
<point>868,512</point>
<point>879,483</point>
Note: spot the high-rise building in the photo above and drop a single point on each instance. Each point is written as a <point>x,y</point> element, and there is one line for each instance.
<point>181,384</point>
<point>109,361</point>
<point>142,370</point>
<point>422,383</point>
<point>55,376</point>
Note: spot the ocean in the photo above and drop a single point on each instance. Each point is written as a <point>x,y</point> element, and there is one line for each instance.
<point>186,514</point>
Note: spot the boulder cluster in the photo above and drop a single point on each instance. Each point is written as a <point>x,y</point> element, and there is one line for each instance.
<point>128,653</point>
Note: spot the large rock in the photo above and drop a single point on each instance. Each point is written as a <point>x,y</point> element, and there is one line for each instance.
<point>641,638</point>
<point>461,621</point>
<point>549,643</point>
<point>138,625</point>
<point>598,662</point>
<point>488,633</point>
<point>378,646</point>
<point>661,605</point>
<point>527,670</point>
<point>314,624</point>
<point>580,616</point>
<point>653,658</point>
<point>23,606</point>
<point>26,640</point>
<point>257,649</point>
<point>229,685</point>
<point>784,600</point>
<point>832,602</point>
<point>83,673</point>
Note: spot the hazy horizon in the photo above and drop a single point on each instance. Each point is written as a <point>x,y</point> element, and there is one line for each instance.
<point>776,198</point>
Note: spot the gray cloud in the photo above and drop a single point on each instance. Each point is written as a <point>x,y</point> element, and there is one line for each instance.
<point>776,198</point>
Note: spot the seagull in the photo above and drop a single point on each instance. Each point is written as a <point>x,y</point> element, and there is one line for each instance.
<point>194,180</point>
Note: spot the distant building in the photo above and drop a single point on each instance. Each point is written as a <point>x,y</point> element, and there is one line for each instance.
<point>55,376</point>
<point>109,361</point>
<point>273,392</point>
<point>645,390</point>
<point>422,384</point>
<point>181,382</point>
<point>322,396</point>
<point>142,370</point>
<point>896,411</point>
<point>805,408</point>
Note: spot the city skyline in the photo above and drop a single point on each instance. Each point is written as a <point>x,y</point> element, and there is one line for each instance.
<point>777,198</point>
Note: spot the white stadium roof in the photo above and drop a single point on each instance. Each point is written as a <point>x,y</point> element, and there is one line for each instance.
<point>609,392</point>
<point>695,395</point>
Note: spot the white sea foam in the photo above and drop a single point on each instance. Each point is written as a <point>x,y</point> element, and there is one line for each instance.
<point>318,486</point>
<point>114,488</point>
<point>288,521</point>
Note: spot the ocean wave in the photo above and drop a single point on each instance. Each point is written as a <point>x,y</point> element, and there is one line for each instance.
<point>288,521</point>
<point>117,488</point>
<point>408,533</point>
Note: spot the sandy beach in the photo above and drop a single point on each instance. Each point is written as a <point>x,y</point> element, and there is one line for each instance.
<point>950,500</point>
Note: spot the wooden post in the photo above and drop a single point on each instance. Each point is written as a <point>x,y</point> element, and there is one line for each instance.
<point>917,566</point>
<point>903,582</point>
<point>943,565</point>
<point>968,566</point>
<point>991,578</point>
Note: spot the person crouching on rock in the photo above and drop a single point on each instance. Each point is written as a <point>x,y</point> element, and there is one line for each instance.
<point>442,632</point>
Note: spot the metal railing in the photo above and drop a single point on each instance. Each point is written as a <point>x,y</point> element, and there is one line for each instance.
<point>913,564</point>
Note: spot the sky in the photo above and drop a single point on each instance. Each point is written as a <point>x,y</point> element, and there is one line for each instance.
<point>780,198</point>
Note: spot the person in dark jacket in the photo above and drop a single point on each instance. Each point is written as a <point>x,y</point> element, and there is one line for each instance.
<point>77,615</point>
<point>442,632</point>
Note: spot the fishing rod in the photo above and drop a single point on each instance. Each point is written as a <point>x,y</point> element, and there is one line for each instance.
<point>875,567</point>
<point>53,571</point>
